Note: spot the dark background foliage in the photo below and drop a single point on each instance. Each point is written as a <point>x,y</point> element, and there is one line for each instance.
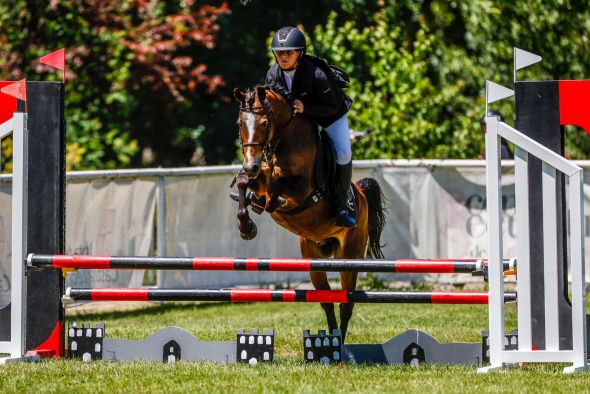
<point>150,81</point>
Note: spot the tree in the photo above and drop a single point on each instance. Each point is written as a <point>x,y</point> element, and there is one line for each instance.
<point>395,91</point>
<point>150,81</point>
<point>419,67</point>
<point>132,71</point>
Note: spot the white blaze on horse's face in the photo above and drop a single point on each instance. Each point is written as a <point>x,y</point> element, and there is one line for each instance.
<point>250,123</point>
<point>253,135</point>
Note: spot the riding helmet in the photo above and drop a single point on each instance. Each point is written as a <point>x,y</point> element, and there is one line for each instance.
<point>288,38</point>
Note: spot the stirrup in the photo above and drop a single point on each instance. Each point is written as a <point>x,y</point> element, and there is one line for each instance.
<point>344,219</point>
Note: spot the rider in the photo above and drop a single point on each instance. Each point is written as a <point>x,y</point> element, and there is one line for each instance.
<point>321,101</point>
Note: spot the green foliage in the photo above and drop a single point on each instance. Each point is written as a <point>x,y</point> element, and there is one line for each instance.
<point>156,77</point>
<point>418,67</point>
<point>130,72</point>
<point>372,282</point>
<point>394,93</point>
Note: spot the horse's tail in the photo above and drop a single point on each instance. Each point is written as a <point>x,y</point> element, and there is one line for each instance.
<point>377,209</point>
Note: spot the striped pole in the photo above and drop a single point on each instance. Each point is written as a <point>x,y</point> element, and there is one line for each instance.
<point>446,266</point>
<point>262,295</point>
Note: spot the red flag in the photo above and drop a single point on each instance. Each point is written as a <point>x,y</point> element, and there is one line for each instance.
<point>8,104</point>
<point>56,59</point>
<point>17,89</point>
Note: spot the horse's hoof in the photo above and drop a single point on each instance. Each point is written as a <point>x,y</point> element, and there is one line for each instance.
<point>251,234</point>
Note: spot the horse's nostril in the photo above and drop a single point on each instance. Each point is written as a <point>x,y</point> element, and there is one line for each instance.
<point>252,169</point>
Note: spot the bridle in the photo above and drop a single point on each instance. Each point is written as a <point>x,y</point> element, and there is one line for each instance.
<point>268,146</point>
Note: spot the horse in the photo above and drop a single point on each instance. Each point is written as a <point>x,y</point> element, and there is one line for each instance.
<point>279,147</point>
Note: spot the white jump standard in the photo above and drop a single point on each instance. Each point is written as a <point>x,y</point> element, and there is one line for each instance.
<point>526,149</point>
<point>15,347</point>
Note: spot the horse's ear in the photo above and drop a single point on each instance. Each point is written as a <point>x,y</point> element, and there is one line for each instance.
<point>261,92</point>
<point>239,95</point>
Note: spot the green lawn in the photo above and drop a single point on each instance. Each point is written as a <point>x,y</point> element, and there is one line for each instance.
<point>370,324</point>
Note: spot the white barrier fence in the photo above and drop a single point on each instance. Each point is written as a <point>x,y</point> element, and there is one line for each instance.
<point>552,163</point>
<point>437,210</point>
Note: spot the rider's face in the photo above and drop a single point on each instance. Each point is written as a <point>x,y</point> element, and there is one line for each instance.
<point>287,59</point>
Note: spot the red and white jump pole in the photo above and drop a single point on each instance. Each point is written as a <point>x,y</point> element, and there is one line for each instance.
<point>446,266</point>
<point>262,295</point>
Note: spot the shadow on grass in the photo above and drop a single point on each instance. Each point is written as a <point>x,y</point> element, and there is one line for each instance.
<point>152,310</point>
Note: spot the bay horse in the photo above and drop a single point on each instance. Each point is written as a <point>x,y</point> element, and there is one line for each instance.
<point>279,148</point>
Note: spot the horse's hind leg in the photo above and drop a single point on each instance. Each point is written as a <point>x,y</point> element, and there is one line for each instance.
<point>319,280</point>
<point>353,246</point>
<point>348,282</point>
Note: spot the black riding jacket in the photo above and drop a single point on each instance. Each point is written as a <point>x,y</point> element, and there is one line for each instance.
<point>323,102</point>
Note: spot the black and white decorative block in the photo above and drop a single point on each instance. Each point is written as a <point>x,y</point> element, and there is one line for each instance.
<point>253,347</point>
<point>85,342</point>
<point>414,355</point>
<point>323,348</point>
<point>510,343</point>
<point>171,352</point>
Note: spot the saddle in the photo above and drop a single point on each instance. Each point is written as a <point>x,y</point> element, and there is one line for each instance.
<point>325,173</point>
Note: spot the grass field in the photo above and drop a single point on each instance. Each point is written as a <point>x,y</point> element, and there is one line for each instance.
<point>370,324</point>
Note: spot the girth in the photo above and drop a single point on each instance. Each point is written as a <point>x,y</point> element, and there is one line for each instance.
<point>318,195</point>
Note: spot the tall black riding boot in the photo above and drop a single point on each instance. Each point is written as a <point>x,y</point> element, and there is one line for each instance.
<point>344,211</point>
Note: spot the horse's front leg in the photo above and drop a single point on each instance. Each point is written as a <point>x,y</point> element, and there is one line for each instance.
<point>246,226</point>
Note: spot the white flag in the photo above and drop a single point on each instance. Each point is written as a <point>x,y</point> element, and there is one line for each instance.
<point>524,59</point>
<point>495,92</point>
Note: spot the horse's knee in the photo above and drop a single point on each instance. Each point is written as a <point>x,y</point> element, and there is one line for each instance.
<point>243,214</point>
<point>242,181</point>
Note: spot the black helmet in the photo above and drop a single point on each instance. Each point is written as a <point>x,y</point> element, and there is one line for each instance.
<point>288,38</point>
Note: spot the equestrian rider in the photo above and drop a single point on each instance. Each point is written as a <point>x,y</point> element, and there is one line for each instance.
<point>320,100</point>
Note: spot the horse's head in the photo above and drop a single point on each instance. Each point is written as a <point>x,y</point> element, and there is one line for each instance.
<point>260,113</point>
